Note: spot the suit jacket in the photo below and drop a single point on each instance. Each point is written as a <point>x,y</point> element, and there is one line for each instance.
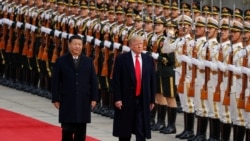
<point>74,88</point>
<point>124,84</point>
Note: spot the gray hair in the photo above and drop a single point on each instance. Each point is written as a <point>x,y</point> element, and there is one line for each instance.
<point>135,38</point>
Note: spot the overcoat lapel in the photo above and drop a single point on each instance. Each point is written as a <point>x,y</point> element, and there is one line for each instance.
<point>130,64</point>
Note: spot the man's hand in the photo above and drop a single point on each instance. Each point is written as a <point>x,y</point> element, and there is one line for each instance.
<point>151,106</point>
<point>93,104</point>
<point>118,104</point>
<point>57,105</point>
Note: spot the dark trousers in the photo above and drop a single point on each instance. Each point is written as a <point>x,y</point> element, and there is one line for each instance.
<point>73,131</point>
<point>138,124</point>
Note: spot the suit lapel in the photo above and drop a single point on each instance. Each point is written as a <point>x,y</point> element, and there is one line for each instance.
<point>131,67</point>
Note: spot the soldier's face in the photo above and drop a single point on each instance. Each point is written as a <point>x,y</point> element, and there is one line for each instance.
<point>111,17</point>
<point>238,19</point>
<point>39,2</point>
<point>149,9</point>
<point>140,6</point>
<point>188,13</point>
<point>224,34</point>
<point>159,28</point>
<point>74,10</point>
<point>138,24</point>
<point>196,14</point>
<point>60,7</point>
<point>200,31</point>
<point>166,12</point>
<point>212,32</point>
<point>236,36</point>
<point>23,1</point>
<point>129,20</point>
<point>216,16</point>
<point>92,13</point>
<point>158,10</point>
<point>184,29</point>
<point>75,47</point>
<point>119,17</point>
<point>137,46</point>
<point>175,13</point>
<point>247,36</point>
<point>148,27</point>
<point>84,12</point>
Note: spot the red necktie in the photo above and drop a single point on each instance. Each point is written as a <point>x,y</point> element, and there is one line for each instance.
<point>137,75</point>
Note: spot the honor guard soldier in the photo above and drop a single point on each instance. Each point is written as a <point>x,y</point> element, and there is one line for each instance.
<point>186,9</point>
<point>196,9</point>
<point>200,34</point>
<point>174,10</point>
<point>224,49</point>
<point>161,102</point>
<point>247,15</point>
<point>234,66</point>
<point>84,17</point>
<point>184,73</point>
<point>149,7</point>
<point>206,11</point>
<point>158,7</point>
<point>211,62</point>
<point>238,15</point>
<point>166,10</point>
<point>138,26</point>
<point>215,12</point>
<point>141,8</point>
<point>226,13</point>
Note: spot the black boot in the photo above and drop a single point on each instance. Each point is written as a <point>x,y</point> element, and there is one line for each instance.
<point>239,133</point>
<point>189,133</point>
<point>214,129</point>
<point>161,115</point>
<point>152,116</point>
<point>225,131</point>
<point>247,134</point>
<point>185,126</point>
<point>201,129</point>
<point>170,129</point>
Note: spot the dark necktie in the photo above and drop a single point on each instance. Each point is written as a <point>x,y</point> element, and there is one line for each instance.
<point>137,75</point>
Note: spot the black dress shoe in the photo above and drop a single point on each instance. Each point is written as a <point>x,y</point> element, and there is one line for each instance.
<point>158,126</point>
<point>178,135</point>
<point>170,129</point>
<point>199,137</point>
<point>187,135</point>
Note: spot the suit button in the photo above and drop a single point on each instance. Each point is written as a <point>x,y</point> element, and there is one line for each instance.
<point>76,83</point>
<point>76,73</point>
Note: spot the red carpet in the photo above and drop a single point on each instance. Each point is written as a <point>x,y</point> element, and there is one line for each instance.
<point>17,127</point>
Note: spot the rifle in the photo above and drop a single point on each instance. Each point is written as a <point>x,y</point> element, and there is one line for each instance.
<point>180,87</point>
<point>217,92</point>
<point>88,45</point>
<point>241,100</point>
<point>41,48</point>
<point>63,41</point>
<point>106,57</point>
<point>16,45</point>
<point>116,52</point>
<point>47,39</point>
<point>97,52</point>
<point>27,38</point>
<point>207,76</point>
<point>30,53</point>
<point>8,48</point>
<point>57,44</point>
<point>226,100</point>
<point>191,90</point>
<point>5,29</point>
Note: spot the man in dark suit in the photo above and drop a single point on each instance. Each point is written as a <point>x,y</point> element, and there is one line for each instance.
<point>134,92</point>
<point>74,90</point>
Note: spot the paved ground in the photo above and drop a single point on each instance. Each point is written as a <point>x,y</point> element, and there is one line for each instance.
<point>42,109</point>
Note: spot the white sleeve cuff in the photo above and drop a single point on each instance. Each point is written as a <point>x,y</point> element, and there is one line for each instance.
<point>117,45</point>
<point>57,33</point>
<point>107,43</point>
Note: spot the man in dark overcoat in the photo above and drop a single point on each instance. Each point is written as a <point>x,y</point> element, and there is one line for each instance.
<point>132,106</point>
<point>74,90</point>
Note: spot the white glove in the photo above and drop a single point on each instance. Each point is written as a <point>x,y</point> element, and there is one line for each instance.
<point>80,35</point>
<point>207,63</point>
<point>191,43</point>
<point>201,65</point>
<point>33,28</point>
<point>186,59</point>
<point>27,26</point>
<point>230,67</point>
<point>19,24</point>
<point>115,30</point>
<point>64,35</point>
<point>116,45</point>
<point>5,21</point>
<point>1,21</point>
<point>243,52</point>
<point>125,48</point>
<point>213,66</point>
<point>57,33</point>
<point>237,70</point>
<point>155,55</point>
<point>43,29</point>
<point>107,44</point>
<point>154,38</point>
<point>97,42</point>
<point>69,35</point>
<point>244,70</point>
<point>144,51</point>
<point>97,27</point>
<point>221,66</point>
<point>10,22</point>
<point>89,38</point>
